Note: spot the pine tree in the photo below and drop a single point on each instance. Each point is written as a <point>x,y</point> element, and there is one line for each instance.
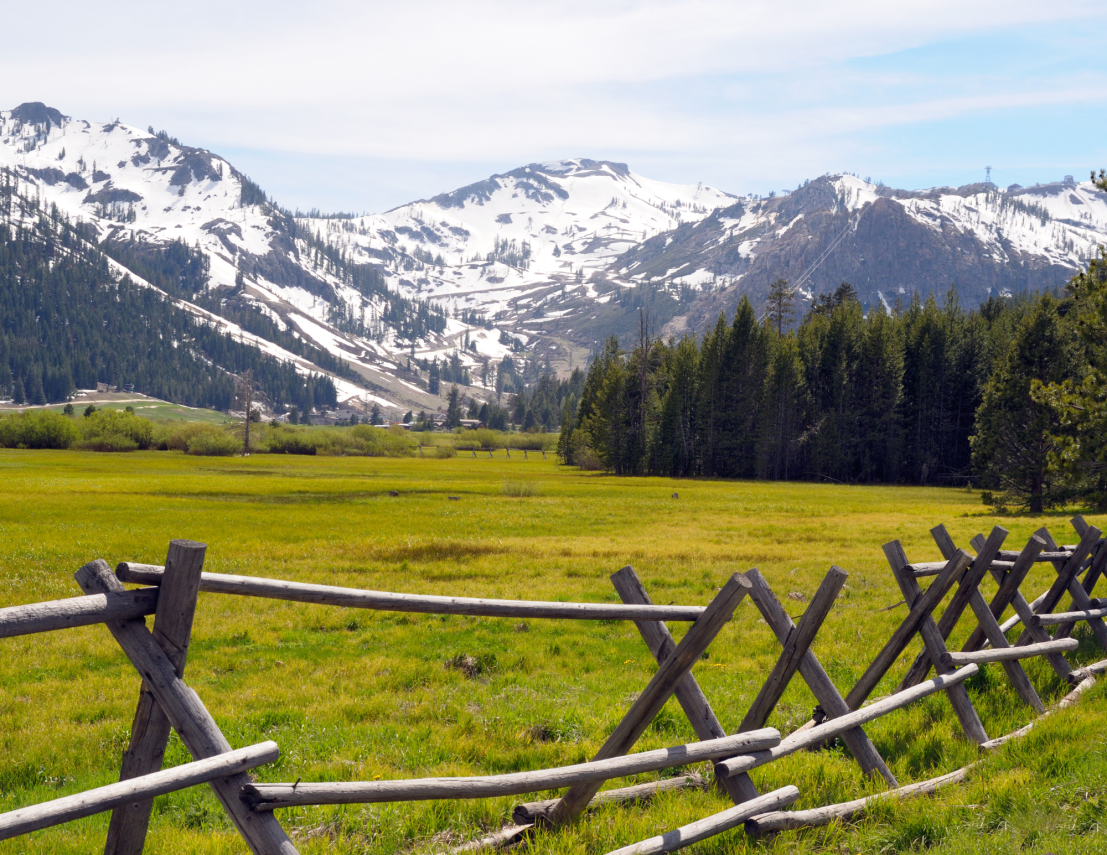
<point>780,306</point>
<point>453,408</point>
<point>1014,433</point>
<point>785,402</point>
<point>675,446</point>
<point>1080,402</point>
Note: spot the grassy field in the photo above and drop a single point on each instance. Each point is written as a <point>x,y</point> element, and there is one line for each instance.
<point>359,695</point>
<point>150,408</point>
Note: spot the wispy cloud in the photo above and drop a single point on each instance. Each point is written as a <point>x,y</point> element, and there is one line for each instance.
<point>745,92</point>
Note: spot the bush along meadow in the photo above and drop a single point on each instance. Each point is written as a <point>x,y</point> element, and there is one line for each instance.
<point>1010,397</point>
<point>122,430</point>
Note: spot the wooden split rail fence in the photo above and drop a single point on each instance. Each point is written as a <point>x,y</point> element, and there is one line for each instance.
<point>159,655</point>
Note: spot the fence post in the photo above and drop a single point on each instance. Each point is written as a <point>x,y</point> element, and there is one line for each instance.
<point>932,638</point>
<point>967,593</point>
<point>657,692</point>
<point>986,621</point>
<point>188,715</point>
<point>688,694</point>
<point>1080,597</point>
<point>150,730</point>
<point>818,681</point>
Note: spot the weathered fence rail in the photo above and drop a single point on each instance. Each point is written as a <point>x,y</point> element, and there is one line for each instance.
<point>355,598</point>
<point>166,703</point>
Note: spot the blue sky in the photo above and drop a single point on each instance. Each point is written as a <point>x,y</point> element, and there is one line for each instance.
<point>365,106</point>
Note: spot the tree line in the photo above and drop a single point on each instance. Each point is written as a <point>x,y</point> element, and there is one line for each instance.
<point>1010,397</point>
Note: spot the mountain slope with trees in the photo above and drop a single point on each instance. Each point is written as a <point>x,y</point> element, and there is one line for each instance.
<point>69,319</point>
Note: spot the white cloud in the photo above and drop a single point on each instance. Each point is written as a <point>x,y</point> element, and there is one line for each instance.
<point>488,81</point>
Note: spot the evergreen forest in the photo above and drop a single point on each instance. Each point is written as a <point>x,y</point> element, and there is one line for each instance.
<point>1008,397</point>
<point>68,321</point>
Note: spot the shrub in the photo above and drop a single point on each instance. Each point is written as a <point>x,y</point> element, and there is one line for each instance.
<point>107,442</point>
<point>484,438</point>
<point>531,441</point>
<point>117,424</point>
<point>216,444</point>
<point>380,442</point>
<point>38,429</point>
<point>442,452</point>
<point>177,436</point>
<point>288,441</point>
<point>520,488</point>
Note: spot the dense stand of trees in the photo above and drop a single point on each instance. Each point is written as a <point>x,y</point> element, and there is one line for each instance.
<point>67,321</point>
<point>182,271</point>
<point>844,396</point>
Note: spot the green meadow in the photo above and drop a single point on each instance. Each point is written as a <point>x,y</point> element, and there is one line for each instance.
<point>363,695</point>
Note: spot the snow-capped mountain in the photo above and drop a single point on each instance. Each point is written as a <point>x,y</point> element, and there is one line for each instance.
<point>886,243</point>
<point>541,262</point>
<point>521,249</point>
<point>138,191</point>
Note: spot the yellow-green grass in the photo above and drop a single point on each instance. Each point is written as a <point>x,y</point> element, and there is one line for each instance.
<point>359,695</point>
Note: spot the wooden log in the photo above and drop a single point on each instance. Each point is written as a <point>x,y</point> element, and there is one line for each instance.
<point>788,820</point>
<point>702,829</point>
<point>967,591</point>
<point>933,568</point>
<point>768,823</point>
<point>1067,617</point>
<point>355,598</point>
<point>935,644</point>
<point>688,693</point>
<point>189,717</point>
<point>795,648</point>
<point>818,681</point>
<point>812,736</point>
<point>267,797</point>
<point>1007,654</point>
<point>76,611</point>
<point>907,630</point>
<point>657,692</point>
<point>1066,581</point>
<point>987,623</point>
<point>69,808</point>
<point>1049,555</point>
<point>529,813</point>
<point>1008,593</point>
<point>1016,619</point>
<point>502,839</point>
<point>150,728</point>
<point>1081,592</point>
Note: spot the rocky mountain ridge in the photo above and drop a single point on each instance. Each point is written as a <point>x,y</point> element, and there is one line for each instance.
<point>540,263</point>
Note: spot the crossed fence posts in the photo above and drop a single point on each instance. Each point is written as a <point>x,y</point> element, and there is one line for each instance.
<point>166,702</point>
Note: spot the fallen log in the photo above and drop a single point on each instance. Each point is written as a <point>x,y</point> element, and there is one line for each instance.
<point>788,820</point>
<point>702,829</point>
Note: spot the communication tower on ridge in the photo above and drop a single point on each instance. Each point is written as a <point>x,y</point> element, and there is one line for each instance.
<point>987,175</point>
